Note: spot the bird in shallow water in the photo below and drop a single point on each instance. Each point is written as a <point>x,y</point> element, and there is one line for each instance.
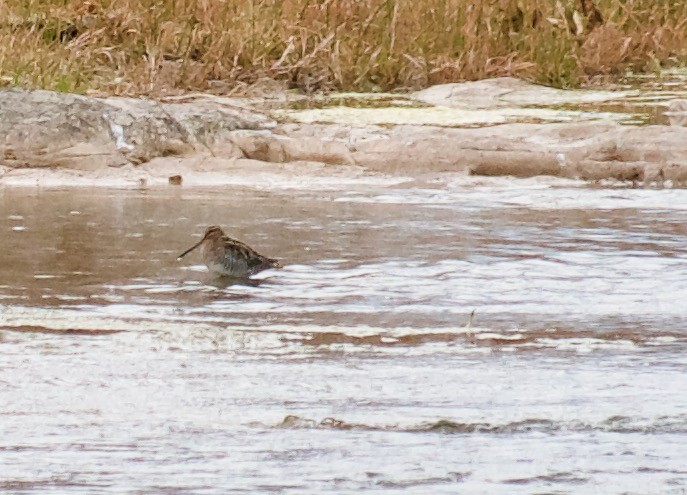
<point>226,256</point>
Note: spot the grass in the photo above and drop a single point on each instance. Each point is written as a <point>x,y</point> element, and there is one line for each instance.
<point>158,47</point>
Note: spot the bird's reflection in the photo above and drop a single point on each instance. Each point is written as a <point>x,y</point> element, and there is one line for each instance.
<point>223,283</point>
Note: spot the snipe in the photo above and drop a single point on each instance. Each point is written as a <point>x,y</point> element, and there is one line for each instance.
<point>226,256</point>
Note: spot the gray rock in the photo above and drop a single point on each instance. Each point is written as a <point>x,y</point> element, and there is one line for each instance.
<point>677,112</point>
<point>507,92</point>
<point>49,129</point>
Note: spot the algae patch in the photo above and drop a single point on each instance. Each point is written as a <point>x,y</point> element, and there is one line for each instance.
<point>636,101</point>
<point>357,100</point>
<point>441,116</point>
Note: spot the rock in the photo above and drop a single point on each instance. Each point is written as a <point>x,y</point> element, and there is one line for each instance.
<point>49,129</point>
<point>207,138</point>
<point>601,170</point>
<point>676,172</point>
<point>677,113</point>
<point>516,164</point>
<point>509,92</point>
<point>677,106</point>
<point>679,120</point>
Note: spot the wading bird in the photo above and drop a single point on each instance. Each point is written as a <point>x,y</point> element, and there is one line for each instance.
<point>229,257</point>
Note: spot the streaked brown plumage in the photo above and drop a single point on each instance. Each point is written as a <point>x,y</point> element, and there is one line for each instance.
<point>226,256</point>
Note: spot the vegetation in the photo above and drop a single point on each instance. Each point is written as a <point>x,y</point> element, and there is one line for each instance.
<point>165,46</point>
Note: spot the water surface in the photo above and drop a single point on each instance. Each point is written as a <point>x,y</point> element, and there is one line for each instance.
<point>357,367</point>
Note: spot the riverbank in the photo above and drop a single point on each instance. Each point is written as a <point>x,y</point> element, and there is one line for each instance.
<point>495,127</point>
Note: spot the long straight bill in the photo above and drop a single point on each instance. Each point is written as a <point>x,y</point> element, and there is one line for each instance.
<point>190,249</point>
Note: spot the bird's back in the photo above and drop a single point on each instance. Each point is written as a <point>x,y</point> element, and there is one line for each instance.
<point>233,257</point>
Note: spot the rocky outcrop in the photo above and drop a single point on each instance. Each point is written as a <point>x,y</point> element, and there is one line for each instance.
<point>197,134</point>
<point>503,92</point>
<point>47,129</point>
<point>584,151</point>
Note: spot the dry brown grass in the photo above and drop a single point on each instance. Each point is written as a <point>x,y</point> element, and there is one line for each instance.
<point>163,46</point>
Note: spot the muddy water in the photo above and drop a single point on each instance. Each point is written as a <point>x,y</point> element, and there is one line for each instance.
<point>356,367</point>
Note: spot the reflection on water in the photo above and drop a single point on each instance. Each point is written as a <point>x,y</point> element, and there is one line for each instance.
<point>357,366</point>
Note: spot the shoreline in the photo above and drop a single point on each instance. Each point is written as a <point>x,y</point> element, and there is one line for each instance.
<point>63,140</point>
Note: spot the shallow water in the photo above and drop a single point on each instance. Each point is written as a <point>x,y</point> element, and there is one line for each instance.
<point>355,368</point>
